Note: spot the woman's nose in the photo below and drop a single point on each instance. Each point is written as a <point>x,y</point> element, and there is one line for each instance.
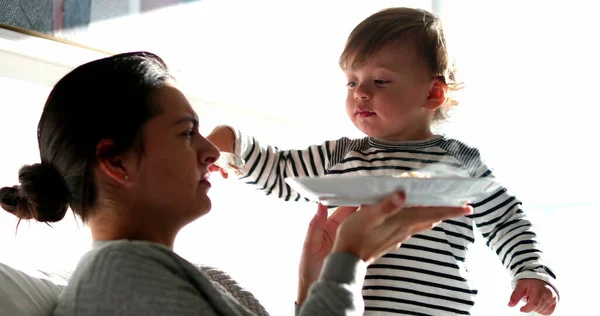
<point>207,152</point>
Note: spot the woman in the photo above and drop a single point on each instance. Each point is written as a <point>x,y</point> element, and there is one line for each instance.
<point>119,144</point>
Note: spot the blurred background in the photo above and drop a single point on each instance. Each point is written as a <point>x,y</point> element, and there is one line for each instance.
<point>270,68</point>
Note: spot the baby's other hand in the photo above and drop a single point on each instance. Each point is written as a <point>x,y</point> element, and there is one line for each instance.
<point>540,296</point>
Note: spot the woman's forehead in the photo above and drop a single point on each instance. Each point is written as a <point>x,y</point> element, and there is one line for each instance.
<point>173,103</point>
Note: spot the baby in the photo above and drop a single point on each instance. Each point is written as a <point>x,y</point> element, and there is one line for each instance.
<point>400,83</point>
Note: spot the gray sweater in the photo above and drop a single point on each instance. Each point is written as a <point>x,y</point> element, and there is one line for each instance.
<point>142,278</point>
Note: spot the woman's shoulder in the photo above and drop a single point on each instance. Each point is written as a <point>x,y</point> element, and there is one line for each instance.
<point>113,274</point>
<point>129,253</point>
<point>126,264</point>
<point>120,260</point>
<point>134,247</point>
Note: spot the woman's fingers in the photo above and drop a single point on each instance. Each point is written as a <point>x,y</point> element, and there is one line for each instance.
<point>411,221</point>
<point>414,220</point>
<point>341,213</point>
<point>382,227</point>
<point>376,214</point>
<point>433,214</point>
<point>316,226</point>
<point>396,229</point>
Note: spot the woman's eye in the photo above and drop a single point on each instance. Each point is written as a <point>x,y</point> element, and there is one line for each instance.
<point>351,84</point>
<point>381,82</point>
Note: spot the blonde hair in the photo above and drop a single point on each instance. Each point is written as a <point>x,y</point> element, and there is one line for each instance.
<point>395,25</point>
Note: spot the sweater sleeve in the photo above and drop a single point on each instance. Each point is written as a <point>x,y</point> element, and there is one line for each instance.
<point>339,289</point>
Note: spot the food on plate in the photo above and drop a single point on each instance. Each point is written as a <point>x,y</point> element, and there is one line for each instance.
<point>412,174</point>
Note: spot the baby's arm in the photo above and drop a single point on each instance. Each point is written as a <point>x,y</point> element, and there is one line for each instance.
<point>510,234</point>
<point>267,166</point>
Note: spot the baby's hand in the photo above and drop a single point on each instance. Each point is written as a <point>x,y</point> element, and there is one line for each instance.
<point>539,295</point>
<point>228,163</point>
<point>215,168</point>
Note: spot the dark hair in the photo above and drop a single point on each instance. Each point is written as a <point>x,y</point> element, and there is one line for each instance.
<point>397,25</point>
<point>109,98</point>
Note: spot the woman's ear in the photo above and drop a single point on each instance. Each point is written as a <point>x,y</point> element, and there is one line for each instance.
<point>437,95</point>
<point>112,163</point>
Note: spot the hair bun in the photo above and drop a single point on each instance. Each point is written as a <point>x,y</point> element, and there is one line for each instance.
<point>42,194</point>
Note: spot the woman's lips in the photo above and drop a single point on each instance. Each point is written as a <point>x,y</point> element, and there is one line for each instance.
<point>204,179</point>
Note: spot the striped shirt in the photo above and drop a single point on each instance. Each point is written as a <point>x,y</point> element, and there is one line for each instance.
<point>427,275</point>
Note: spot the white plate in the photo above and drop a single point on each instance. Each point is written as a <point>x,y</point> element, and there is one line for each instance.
<point>357,190</point>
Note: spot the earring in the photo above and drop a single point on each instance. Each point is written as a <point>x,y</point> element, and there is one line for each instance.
<point>126,178</point>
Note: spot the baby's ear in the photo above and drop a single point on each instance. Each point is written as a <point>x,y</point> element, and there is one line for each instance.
<point>437,95</point>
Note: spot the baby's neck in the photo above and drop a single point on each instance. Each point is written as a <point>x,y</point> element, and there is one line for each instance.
<point>412,142</point>
<point>406,136</point>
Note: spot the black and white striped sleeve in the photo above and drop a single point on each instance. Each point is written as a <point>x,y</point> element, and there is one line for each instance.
<point>510,234</point>
<point>502,222</point>
<point>267,166</point>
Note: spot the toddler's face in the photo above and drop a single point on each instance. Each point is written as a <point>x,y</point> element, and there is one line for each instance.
<point>388,94</point>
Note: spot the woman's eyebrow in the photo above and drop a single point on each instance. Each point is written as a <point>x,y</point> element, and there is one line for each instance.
<point>187,119</point>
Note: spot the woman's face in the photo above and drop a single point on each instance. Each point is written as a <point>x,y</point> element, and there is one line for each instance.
<point>171,179</point>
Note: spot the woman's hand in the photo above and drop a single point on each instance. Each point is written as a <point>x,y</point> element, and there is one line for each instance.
<point>368,234</point>
<point>379,228</point>
<point>317,245</point>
